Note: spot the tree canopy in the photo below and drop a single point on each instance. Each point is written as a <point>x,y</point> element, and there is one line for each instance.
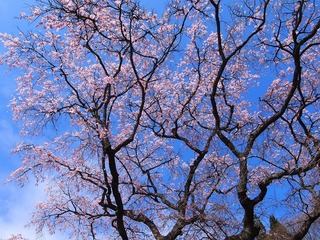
<point>198,122</point>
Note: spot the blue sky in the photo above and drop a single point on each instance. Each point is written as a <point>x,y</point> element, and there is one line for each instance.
<point>16,204</point>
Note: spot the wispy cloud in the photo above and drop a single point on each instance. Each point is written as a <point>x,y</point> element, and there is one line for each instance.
<point>9,136</point>
<point>16,207</point>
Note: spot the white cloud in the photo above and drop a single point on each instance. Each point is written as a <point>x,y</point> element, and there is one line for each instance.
<point>16,207</point>
<point>16,210</point>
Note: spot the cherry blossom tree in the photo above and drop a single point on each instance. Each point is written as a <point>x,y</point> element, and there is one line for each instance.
<point>199,122</point>
<point>17,237</point>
